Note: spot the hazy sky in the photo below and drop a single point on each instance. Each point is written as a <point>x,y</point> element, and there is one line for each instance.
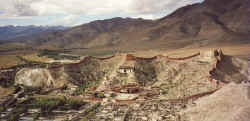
<point>75,12</point>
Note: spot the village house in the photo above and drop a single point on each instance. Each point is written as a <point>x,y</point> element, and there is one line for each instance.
<point>126,69</point>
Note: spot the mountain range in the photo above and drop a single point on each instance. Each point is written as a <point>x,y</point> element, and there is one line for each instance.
<point>9,33</point>
<point>212,22</point>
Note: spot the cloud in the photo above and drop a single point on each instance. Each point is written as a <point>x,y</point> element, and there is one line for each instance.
<point>18,7</point>
<point>156,6</point>
<point>73,10</point>
<point>148,16</point>
<point>51,7</point>
<point>69,20</point>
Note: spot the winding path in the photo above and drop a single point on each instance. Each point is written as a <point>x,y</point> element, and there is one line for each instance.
<point>107,79</point>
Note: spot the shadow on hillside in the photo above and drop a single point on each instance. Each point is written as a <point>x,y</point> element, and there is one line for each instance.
<point>230,69</point>
<point>145,72</point>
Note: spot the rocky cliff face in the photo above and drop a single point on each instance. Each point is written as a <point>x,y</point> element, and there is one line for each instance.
<point>35,78</point>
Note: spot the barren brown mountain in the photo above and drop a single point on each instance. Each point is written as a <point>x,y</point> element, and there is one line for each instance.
<point>213,22</point>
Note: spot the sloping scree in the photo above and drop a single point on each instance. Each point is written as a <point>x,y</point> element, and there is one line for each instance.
<point>145,72</point>
<point>34,78</point>
<point>231,103</point>
<point>88,70</point>
<point>231,69</point>
<point>91,69</point>
<point>179,78</point>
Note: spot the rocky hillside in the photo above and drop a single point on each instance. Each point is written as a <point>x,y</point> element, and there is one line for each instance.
<point>125,87</point>
<point>11,33</point>
<point>231,103</point>
<point>207,23</point>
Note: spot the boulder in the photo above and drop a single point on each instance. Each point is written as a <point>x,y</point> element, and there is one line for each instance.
<point>35,78</point>
<point>231,103</point>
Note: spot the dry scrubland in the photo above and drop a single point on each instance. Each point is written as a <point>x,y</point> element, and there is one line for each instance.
<point>10,59</point>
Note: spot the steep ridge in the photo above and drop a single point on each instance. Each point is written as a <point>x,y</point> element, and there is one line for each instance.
<point>208,23</point>
<point>108,33</point>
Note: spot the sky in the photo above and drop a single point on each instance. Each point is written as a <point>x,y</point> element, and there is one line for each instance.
<point>76,12</point>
